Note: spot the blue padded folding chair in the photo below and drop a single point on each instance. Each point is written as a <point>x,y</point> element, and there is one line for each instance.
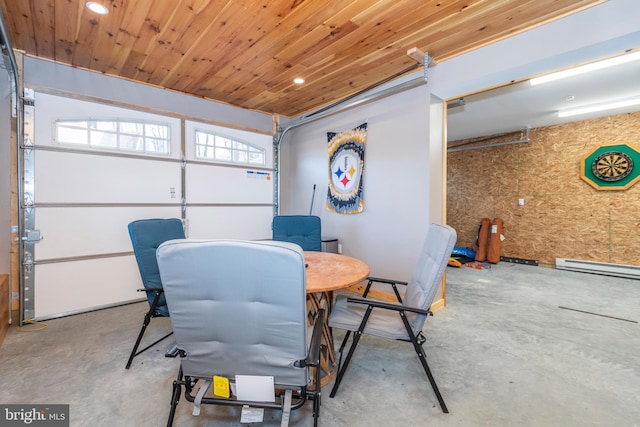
<point>402,320</point>
<point>303,230</point>
<point>238,309</point>
<point>146,235</point>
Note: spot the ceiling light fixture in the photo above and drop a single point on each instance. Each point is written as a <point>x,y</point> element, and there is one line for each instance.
<point>97,8</point>
<point>600,107</point>
<point>622,59</point>
<point>298,80</point>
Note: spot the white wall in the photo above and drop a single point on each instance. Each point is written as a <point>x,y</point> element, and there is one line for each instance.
<point>402,183</point>
<point>396,190</point>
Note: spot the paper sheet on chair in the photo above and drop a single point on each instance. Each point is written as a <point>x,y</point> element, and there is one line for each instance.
<point>251,415</point>
<point>255,388</point>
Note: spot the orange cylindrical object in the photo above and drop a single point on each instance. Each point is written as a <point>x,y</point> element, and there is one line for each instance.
<point>493,253</point>
<point>483,239</point>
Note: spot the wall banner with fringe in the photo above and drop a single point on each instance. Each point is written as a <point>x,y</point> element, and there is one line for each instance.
<point>346,166</point>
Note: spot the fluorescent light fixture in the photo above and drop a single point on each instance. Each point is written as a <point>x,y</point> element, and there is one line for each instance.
<point>622,59</point>
<point>298,80</point>
<point>600,107</point>
<point>97,8</point>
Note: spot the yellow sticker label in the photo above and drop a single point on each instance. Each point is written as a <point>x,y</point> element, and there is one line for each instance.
<point>221,386</point>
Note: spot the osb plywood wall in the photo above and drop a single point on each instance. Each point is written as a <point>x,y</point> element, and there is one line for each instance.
<point>562,216</point>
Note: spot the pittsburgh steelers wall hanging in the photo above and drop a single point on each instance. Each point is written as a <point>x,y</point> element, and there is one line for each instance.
<point>611,166</point>
<point>346,166</point>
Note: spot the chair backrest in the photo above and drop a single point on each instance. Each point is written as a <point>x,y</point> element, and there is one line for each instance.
<point>303,230</point>
<point>146,235</point>
<point>428,271</point>
<point>237,307</point>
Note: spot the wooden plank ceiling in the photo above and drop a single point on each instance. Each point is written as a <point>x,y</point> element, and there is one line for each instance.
<point>247,52</point>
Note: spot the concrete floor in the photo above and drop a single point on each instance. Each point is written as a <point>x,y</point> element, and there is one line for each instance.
<point>502,352</point>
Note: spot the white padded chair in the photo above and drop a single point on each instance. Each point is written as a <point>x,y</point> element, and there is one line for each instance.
<point>239,308</point>
<point>403,320</point>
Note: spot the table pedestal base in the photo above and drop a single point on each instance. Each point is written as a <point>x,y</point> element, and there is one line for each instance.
<point>328,272</point>
<point>328,365</point>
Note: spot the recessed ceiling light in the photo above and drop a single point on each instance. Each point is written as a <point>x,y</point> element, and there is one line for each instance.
<point>569,98</point>
<point>97,8</point>
<point>298,80</point>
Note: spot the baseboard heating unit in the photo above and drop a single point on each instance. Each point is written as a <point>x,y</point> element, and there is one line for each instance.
<point>607,269</point>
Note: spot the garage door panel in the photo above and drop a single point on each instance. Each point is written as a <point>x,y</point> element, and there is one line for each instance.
<point>71,287</point>
<point>211,184</point>
<point>68,177</point>
<point>230,222</point>
<point>82,231</point>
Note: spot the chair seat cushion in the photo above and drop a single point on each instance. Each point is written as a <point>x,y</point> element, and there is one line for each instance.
<point>146,235</point>
<point>382,323</point>
<point>303,230</point>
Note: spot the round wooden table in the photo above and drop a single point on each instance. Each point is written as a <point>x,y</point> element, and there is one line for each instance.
<point>327,272</point>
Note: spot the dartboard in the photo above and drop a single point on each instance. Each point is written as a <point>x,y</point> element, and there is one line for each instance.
<point>612,166</point>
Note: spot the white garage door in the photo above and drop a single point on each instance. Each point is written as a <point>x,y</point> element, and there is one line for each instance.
<point>90,169</point>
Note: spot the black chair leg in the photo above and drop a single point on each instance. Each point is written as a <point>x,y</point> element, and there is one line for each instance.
<point>316,410</point>
<point>423,360</point>
<point>175,397</point>
<point>145,323</point>
<point>343,368</point>
<point>356,338</point>
<point>317,397</point>
<point>344,343</point>
<point>417,340</point>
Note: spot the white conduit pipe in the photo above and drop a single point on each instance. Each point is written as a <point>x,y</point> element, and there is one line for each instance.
<point>496,144</point>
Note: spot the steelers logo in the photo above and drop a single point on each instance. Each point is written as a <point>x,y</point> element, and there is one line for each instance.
<point>345,172</point>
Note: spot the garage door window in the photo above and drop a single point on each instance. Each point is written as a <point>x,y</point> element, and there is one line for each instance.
<point>211,146</point>
<point>119,135</point>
